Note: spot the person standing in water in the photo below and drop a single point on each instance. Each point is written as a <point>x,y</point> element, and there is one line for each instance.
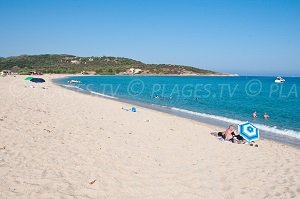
<point>254,115</point>
<point>266,116</point>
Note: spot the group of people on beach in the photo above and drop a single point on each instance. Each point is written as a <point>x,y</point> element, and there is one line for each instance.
<point>254,115</point>
<point>232,135</point>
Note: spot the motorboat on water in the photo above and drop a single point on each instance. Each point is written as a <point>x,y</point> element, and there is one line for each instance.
<point>279,80</point>
<point>74,81</point>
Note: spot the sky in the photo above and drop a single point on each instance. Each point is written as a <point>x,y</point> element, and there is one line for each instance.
<point>247,37</point>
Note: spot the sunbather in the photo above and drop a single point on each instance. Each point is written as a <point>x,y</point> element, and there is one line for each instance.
<point>228,134</point>
<point>232,135</point>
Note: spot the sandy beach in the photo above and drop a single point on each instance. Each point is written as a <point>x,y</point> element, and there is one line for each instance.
<point>58,143</point>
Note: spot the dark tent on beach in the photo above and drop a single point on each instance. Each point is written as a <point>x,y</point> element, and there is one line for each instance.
<point>37,80</point>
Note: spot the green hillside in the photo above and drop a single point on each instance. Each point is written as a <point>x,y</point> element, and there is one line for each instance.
<point>53,63</point>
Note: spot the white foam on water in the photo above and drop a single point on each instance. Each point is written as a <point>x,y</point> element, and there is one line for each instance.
<point>285,132</point>
<point>103,95</point>
<point>274,129</point>
<point>72,86</point>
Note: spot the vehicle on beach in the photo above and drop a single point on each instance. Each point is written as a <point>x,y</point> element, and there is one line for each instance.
<point>74,82</point>
<point>279,80</point>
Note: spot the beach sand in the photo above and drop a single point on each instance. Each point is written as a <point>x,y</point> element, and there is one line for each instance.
<point>58,143</point>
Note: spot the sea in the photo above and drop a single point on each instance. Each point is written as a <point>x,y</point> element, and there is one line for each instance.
<point>215,100</point>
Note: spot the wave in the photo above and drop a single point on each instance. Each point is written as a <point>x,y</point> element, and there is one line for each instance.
<point>92,92</point>
<point>275,130</point>
<point>72,86</point>
<point>103,95</point>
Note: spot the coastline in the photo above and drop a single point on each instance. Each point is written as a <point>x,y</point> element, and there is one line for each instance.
<point>57,142</point>
<point>266,132</point>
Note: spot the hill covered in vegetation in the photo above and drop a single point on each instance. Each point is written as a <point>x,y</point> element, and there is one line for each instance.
<point>62,63</point>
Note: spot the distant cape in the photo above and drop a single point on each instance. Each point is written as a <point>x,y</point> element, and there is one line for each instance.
<point>104,65</point>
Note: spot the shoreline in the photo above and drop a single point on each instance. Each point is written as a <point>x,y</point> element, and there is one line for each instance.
<point>285,139</point>
<point>62,144</point>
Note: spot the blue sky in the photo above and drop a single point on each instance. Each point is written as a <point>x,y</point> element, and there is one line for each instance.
<point>248,37</point>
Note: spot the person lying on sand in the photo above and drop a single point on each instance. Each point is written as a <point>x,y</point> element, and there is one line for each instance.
<point>228,134</point>
<point>232,135</point>
<point>236,134</point>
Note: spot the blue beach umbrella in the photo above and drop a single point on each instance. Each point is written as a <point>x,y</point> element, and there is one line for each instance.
<point>249,132</point>
<point>37,80</point>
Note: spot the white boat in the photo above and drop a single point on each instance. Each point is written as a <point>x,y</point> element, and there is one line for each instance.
<point>73,81</point>
<point>279,80</point>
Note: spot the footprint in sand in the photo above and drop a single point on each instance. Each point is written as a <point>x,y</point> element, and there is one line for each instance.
<point>227,188</point>
<point>287,170</point>
<point>281,181</point>
<point>277,194</point>
<point>47,130</point>
<point>292,194</point>
<point>243,192</point>
<point>2,118</point>
<point>229,195</point>
<point>267,196</point>
<point>223,179</point>
<point>291,179</point>
<point>282,165</point>
<point>272,187</point>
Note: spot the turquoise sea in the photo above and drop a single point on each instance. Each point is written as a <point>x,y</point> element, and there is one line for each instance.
<point>217,100</point>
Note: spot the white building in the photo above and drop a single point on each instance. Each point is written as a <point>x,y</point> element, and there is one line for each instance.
<point>133,71</point>
<point>137,71</point>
